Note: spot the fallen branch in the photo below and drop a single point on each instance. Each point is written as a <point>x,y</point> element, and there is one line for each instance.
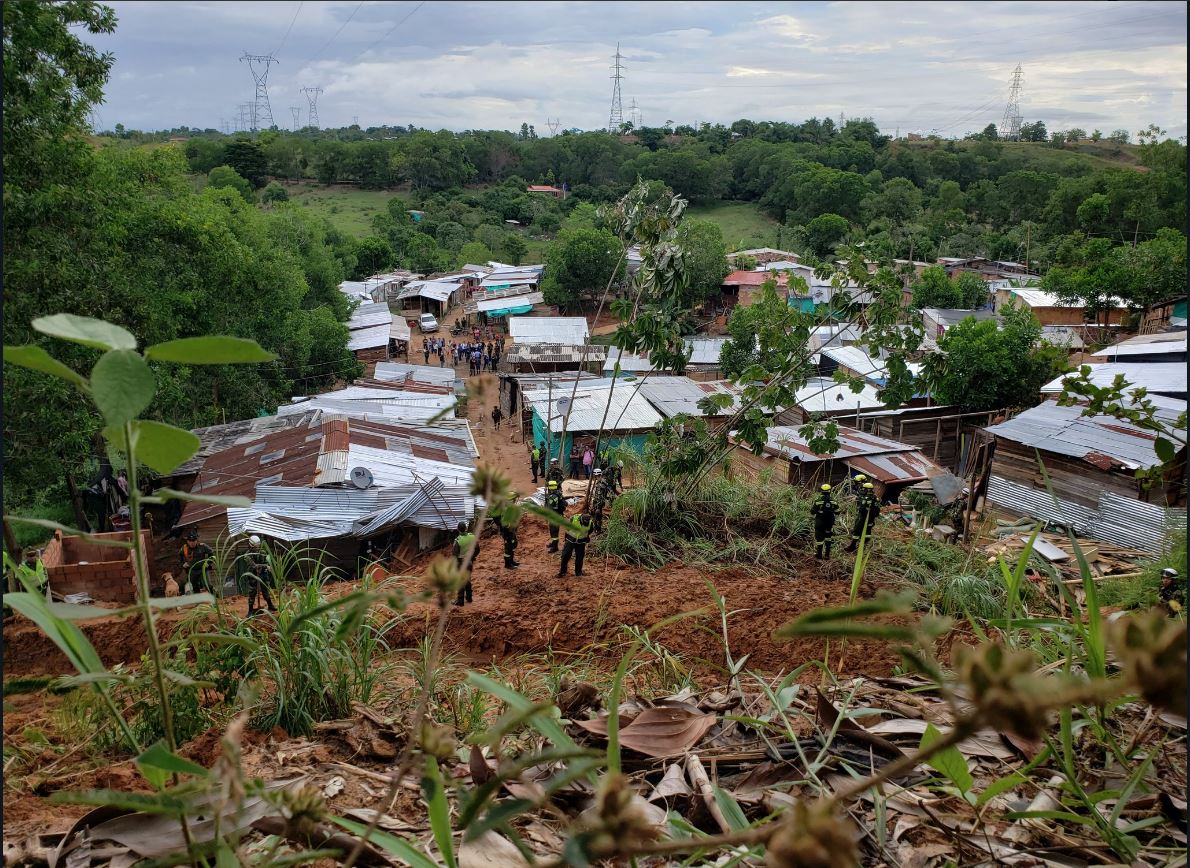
<point>698,777</point>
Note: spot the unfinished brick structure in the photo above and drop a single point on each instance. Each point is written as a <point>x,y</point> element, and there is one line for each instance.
<point>76,565</point>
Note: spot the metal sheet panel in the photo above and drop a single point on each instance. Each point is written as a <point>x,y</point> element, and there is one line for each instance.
<point>369,315</point>
<point>369,338</point>
<point>1035,503</point>
<point>626,410</point>
<point>396,371</point>
<point>1163,378</point>
<point>548,329</point>
<point>1132,523</point>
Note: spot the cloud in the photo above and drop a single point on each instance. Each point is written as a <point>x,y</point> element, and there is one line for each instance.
<point>469,65</point>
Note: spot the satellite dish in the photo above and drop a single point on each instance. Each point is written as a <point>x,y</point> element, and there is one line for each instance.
<point>563,406</point>
<point>361,477</point>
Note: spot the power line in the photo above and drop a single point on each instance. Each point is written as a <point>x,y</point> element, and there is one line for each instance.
<point>408,15</point>
<point>285,38</point>
<point>318,53</point>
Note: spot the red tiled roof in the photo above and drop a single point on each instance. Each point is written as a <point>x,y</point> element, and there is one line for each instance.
<point>543,188</point>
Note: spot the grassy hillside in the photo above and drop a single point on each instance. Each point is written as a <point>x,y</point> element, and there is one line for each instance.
<point>349,209</point>
<point>743,224</point>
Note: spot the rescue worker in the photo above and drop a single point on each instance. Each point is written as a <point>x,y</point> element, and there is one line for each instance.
<point>1173,595</point>
<point>576,544</point>
<point>535,460</point>
<point>497,415</point>
<point>508,534</point>
<point>823,510</point>
<point>259,576</point>
<point>857,483</point>
<point>555,501</point>
<point>617,478</point>
<point>599,498</point>
<point>195,557</point>
<point>555,473</point>
<point>462,543</point>
<point>867,510</point>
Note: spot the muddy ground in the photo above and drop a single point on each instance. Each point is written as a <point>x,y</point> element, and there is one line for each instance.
<point>528,609</point>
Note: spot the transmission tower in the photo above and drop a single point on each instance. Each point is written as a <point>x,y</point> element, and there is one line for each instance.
<point>615,118</point>
<point>553,124</point>
<point>262,112</point>
<point>296,111</point>
<point>1010,125</point>
<point>245,115</point>
<point>312,98</point>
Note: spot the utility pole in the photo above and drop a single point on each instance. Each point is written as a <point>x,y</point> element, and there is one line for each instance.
<point>1010,124</point>
<point>355,120</point>
<point>296,111</point>
<point>615,117</point>
<point>262,112</point>
<point>553,125</point>
<point>312,99</point>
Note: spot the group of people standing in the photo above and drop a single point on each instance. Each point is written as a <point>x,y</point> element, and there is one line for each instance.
<point>825,510</point>
<point>251,568</point>
<point>480,356</point>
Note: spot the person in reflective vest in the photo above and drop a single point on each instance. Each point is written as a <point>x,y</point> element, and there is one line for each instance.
<point>535,461</point>
<point>196,559</point>
<point>508,534</point>
<point>576,544</point>
<point>555,473</point>
<point>867,510</point>
<point>1173,592</point>
<point>463,542</point>
<point>599,499</point>
<point>823,510</point>
<point>555,501</point>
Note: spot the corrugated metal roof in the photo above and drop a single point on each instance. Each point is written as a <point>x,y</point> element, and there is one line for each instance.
<point>494,305</point>
<point>399,330</point>
<point>947,317</point>
<point>1147,345</point>
<point>369,338</point>
<point>369,315</point>
<point>378,411</point>
<point>555,353</point>
<point>626,410</point>
<point>1065,431</point>
<point>1041,298</point>
<point>864,365</point>
<point>397,371</point>
<point>1164,378</point>
<point>548,329</point>
<point>392,397</point>
<point>672,396</point>
<point>886,461</point>
<point>824,395</point>
<point>705,351</point>
<point>216,438</point>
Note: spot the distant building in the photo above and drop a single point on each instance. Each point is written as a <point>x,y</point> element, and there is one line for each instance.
<point>1052,312</point>
<point>548,189</point>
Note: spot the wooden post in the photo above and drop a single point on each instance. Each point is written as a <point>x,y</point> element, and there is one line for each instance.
<point>937,437</point>
<point>76,502</point>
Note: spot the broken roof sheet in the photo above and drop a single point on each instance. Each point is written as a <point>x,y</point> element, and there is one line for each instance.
<point>886,461</point>
<point>672,396</point>
<point>1065,431</point>
<point>704,352</point>
<point>304,458</point>
<point>626,409</point>
<point>548,329</point>
<point>216,438</point>
<point>1163,378</point>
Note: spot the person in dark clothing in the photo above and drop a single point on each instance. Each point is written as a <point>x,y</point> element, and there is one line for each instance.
<point>867,510</point>
<point>555,501</point>
<point>555,473</point>
<point>463,542</point>
<point>497,415</point>
<point>259,576</point>
<point>576,544</point>
<point>508,534</point>
<point>576,462</point>
<point>425,350</point>
<point>196,561</point>
<point>615,477</point>
<point>823,510</point>
<point>1173,592</point>
<point>535,460</point>
<point>599,500</point>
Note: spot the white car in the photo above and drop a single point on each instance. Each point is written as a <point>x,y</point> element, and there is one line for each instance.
<point>427,322</point>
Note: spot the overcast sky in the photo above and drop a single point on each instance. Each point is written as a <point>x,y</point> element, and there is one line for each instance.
<point>919,66</point>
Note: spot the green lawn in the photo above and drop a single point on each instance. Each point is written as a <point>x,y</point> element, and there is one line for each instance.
<point>743,224</point>
<point>349,209</point>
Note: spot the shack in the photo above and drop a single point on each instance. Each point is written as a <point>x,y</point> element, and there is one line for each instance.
<point>680,396</point>
<point>1157,378</point>
<point>1091,464</point>
<point>370,332</point>
<point>1167,347</point>
<point>553,358</point>
<point>623,415</point>
<point>549,330</point>
<point>891,466</point>
<point>1050,311</point>
<point>702,360</point>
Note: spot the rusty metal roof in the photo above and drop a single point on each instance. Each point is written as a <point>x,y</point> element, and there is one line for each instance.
<point>887,461</point>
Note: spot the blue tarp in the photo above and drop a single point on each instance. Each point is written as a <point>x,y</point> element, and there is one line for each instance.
<point>505,311</point>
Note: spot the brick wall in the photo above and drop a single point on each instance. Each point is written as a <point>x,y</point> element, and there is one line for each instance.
<point>106,576</point>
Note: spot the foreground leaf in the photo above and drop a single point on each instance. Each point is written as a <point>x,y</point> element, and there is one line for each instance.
<point>36,359</point>
<point>214,350</point>
<point>85,330</point>
<point>157,445</point>
<point>122,385</point>
<point>665,731</point>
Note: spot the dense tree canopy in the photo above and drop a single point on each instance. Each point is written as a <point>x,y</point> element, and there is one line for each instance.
<point>580,265</point>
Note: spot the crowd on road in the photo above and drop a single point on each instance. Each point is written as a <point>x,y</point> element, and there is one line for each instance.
<point>479,356</point>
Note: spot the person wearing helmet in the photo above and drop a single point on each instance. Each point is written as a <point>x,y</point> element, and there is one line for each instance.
<point>823,511</point>
<point>259,576</point>
<point>600,495</point>
<point>535,454</point>
<point>555,473</point>
<point>576,544</point>
<point>556,502</point>
<point>465,541</point>
<point>617,477</point>
<point>507,526</point>
<point>196,561</point>
<point>1173,592</point>
<point>867,510</point>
